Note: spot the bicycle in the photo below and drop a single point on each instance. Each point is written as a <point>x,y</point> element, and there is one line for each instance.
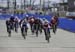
<point>24,32</point>
<point>47,34</point>
<point>9,31</point>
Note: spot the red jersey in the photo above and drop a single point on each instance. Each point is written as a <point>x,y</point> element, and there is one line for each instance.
<point>45,25</point>
<point>53,21</point>
<point>31,20</point>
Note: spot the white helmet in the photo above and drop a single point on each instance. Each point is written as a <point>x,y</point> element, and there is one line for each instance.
<point>16,16</point>
<point>26,15</point>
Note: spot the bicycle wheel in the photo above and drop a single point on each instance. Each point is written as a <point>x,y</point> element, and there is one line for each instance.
<point>9,33</point>
<point>47,35</point>
<point>36,30</point>
<point>24,34</point>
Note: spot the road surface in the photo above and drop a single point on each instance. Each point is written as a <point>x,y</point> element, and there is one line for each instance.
<point>63,41</point>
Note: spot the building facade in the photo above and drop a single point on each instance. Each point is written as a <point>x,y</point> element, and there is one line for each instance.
<point>71,5</point>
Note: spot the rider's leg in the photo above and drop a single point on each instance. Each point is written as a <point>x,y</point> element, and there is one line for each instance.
<point>49,32</point>
<point>45,34</point>
<point>37,28</point>
<point>53,29</point>
<point>22,31</point>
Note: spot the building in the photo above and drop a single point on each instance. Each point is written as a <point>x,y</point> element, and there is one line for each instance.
<point>71,5</point>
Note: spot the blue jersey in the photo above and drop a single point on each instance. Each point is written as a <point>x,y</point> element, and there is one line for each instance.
<point>24,24</point>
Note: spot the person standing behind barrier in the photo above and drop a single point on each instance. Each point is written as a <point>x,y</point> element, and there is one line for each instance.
<point>54,23</point>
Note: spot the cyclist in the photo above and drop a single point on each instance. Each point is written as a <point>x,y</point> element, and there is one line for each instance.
<point>54,23</point>
<point>24,28</point>
<point>31,22</point>
<point>8,26</point>
<point>46,28</point>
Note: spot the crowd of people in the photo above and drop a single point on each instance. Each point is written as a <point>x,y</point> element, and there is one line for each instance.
<point>37,25</point>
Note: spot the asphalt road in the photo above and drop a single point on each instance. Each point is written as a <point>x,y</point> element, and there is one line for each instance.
<point>63,41</point>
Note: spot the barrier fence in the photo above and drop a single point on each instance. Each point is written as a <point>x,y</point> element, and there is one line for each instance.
<point>64,23</point>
